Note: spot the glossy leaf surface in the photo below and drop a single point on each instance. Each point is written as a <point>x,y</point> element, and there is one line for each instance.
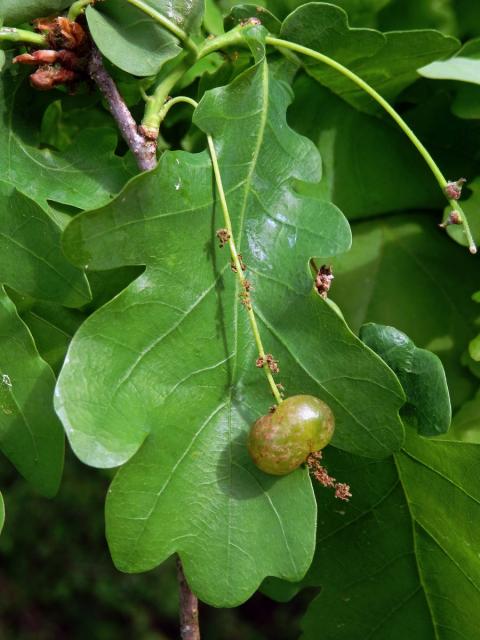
<point>421,375</point>
<point>464,66</point>
<point>173,381</point>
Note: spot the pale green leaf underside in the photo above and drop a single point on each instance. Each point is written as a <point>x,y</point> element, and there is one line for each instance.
<point>166,371</point>
<point>464,66</point>
<point>30,433</point>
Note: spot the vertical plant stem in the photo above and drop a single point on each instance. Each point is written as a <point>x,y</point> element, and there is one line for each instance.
<point>239,271</point>
<point>189,624</point>
<point>142,148</point>
<point>231,244</point>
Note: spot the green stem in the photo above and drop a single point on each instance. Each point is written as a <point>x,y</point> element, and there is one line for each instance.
<point>442,181</point>
<point>155,103</point>
<point>22,35</point>
<point>77,8</point>
<point>231,244</point>
<point>166,24</point>
<point>232,38</point>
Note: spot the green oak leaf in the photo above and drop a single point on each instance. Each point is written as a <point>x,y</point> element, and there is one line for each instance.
<point>52,328</point>
<point>162,379</point>
<point>2,512</point>
<point>387,61</point>
<point>30,433</point>
<point>242,12</point>
<point>401,559</point>
<point>420,14</point>
<point>466,422</point>
<point>421,375</point>
<point>74,177</point>
<point>466,103</point>
<point>130,39</point>
<point>464,66</point>
<point>362,13</point>
<point>364,159</point>
<point>31,258</point>
<point>468,18</point>
<point>133,41</point>
<point>398,274</point>
<point>14,12</point>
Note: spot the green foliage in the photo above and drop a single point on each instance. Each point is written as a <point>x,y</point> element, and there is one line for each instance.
<point>464,66</point>
<point>421,375</point>
<point>390,565</point>
<point>387,61</point>
<point>119,284</point>
<point>132,41</point>
<point>13,12</point>
<point>30,433</point>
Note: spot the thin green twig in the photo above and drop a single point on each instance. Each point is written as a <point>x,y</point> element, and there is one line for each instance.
<point>77,8</point>
<point>231,245</point>
<point>155,102</point>
<point>22,35</point>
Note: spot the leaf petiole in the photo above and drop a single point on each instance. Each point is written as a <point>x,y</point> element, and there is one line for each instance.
<point>77,8</point>
<point>155,103</point>
<point>22,35</point>
<point>236,260</point>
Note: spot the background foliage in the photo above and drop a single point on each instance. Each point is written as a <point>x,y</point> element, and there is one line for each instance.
<point>301,151</point>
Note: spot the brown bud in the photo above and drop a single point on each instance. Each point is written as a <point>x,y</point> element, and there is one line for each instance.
<point>47,77</point>
<point>323,280</point>
<point>453,190</point>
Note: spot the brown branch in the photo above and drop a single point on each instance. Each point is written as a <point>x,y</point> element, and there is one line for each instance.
<point>189,627</point>
<point>143,149</point>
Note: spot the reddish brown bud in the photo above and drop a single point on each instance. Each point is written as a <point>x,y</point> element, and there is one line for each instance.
<point>323,280</point>
<point>223,237</point>
<point>453,190</point>
<point>61,32</point>
<point>47,77</point>
<point>453,218</point>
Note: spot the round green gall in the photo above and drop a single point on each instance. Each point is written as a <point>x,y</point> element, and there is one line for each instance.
<point>281,441</point>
